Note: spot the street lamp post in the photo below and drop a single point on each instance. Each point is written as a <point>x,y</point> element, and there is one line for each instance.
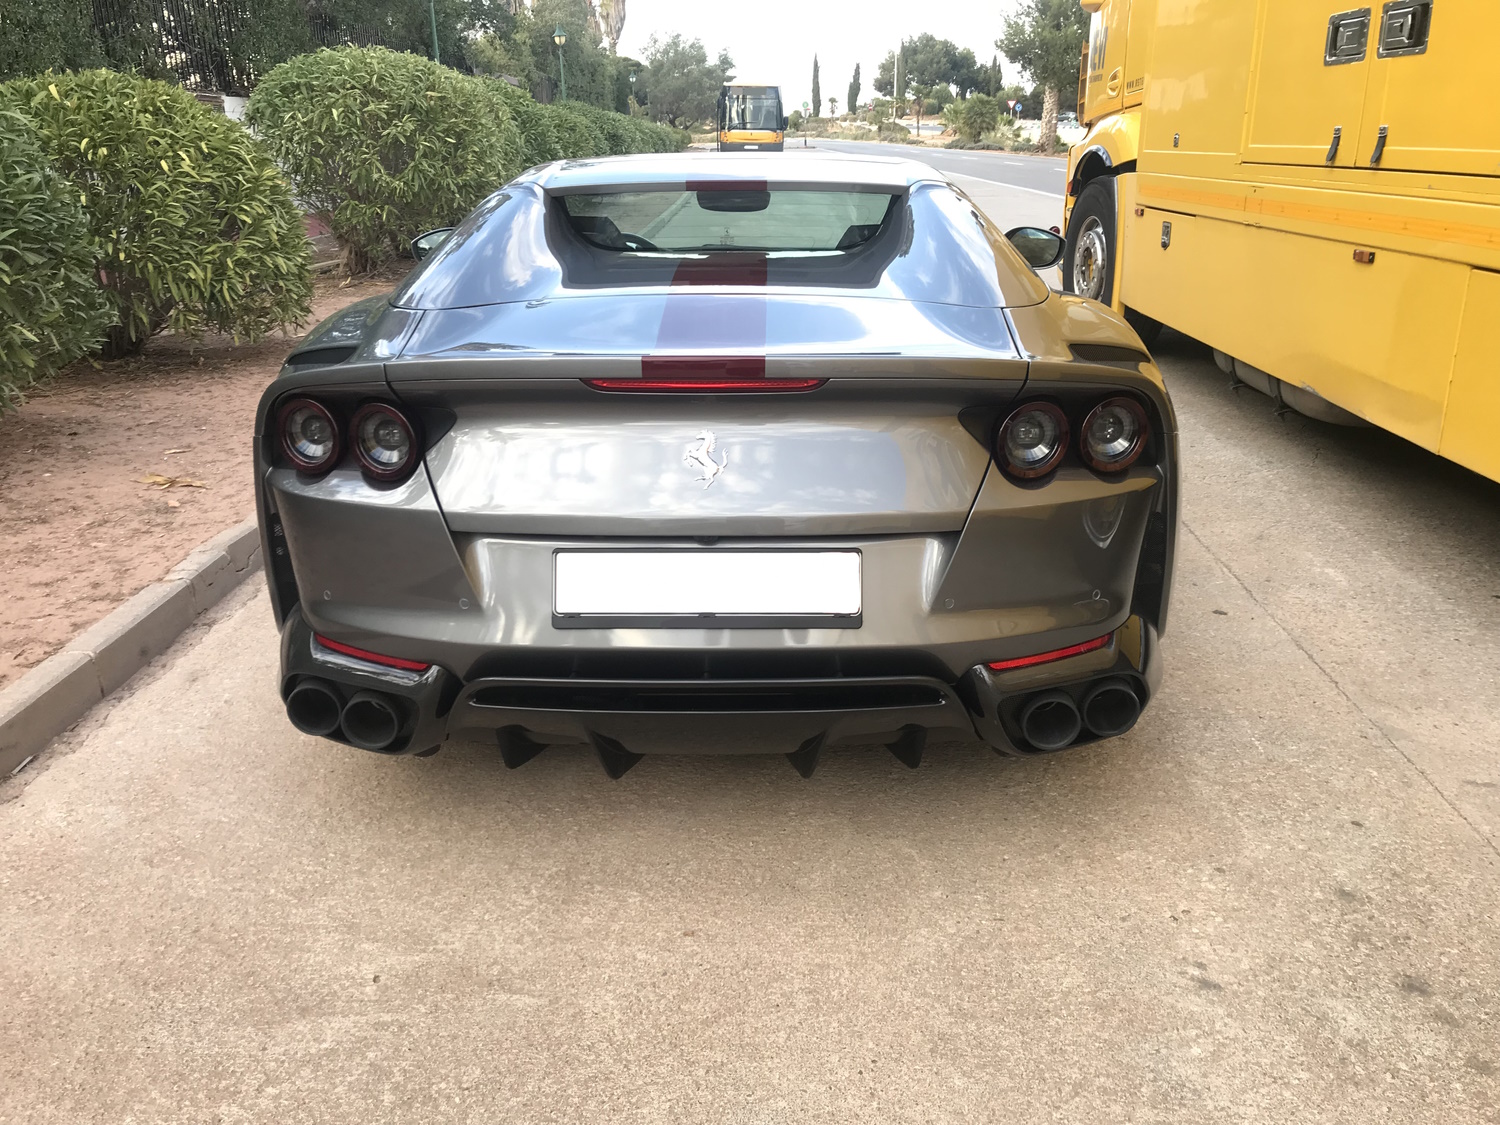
<point>560,37</point>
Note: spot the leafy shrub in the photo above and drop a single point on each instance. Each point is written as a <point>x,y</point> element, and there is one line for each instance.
<point>190,223</point>
<point>576,135</point>
<point>975,116</point>
<point>383,146</point>
<point>892,132</point>
<point>538,141</point>
<point>615,130</point>
<point>51,309</point>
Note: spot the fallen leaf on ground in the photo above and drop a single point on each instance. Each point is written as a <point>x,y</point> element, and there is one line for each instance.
<point>174,503</point>
<point>166,451</point>
<point>156,480</point>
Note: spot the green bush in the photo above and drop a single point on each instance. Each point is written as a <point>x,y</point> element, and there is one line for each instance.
<point>974,117</point>
<point>51,309</point>
<point>615,129</point>
<point>383,146</point>
<point>576,135</point>
<point>538,141</point>
<point>190,223</point>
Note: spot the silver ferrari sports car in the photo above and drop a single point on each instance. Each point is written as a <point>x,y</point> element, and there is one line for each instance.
<point>720,454</point>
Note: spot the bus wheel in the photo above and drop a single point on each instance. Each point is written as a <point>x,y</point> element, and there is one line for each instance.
<point>1089,257</point>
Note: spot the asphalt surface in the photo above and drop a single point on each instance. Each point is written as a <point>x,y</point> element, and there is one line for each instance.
<point>1276,900</point>
<point>1030,173</point>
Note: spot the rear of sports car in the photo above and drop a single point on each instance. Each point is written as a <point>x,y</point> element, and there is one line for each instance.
<point>654,460</point>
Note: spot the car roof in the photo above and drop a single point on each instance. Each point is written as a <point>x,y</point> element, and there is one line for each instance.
<point>776,169</point>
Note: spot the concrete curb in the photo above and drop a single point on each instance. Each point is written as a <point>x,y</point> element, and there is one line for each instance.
<point>59,691</point>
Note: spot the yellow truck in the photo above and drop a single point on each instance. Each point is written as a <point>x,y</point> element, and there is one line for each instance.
<point>1311,191</point>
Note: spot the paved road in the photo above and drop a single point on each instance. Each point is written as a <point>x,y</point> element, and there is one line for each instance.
<point>1032,173</point>
<point>1277,900</point>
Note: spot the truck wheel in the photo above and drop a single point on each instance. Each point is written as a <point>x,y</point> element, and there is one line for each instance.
<point>1089,257</point>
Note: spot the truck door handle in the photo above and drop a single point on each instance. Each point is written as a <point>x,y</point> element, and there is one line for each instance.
<point>1333,149</point>
<point>1379,146</point>
<point>1404,27</point>
<point>1348,32</point>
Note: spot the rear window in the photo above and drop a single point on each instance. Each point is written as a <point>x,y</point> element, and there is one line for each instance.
<point>793,221</point>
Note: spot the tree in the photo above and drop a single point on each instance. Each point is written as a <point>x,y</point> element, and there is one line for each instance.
<point>852,102</point>
<point>994,79</point>
<point>682,85</point>
<point>833,107</point>
<point>1045,38</point>
<point>612,17</point>
<point>817,94</point>
<point>968,75</point>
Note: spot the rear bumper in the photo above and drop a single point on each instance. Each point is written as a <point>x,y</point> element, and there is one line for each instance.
<point>750,146</point>
<point>720,714</point>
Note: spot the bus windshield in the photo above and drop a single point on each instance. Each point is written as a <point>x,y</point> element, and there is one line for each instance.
<point>752,107</point>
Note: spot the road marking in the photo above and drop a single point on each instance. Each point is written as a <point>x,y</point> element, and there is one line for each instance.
<point>1002,183</point>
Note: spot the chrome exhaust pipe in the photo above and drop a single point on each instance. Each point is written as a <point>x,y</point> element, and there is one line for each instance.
<point>1050,720</point>
<point>313,707</point>
<point>370,721</point>
<point>1111,708</point>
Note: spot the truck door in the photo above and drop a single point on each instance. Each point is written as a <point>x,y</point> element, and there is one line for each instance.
<point>1108,36</point>
<point>1432,68</point>
<point>1311,68</point>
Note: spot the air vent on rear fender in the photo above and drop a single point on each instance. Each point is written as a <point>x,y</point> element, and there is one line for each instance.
<point>1108,353</point>
<point>321,357</point>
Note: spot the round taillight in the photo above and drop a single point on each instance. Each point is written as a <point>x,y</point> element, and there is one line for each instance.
<point>384,441</point>
<point>1113,435</point>
<point>309,435</point>
<point>1032,441</point>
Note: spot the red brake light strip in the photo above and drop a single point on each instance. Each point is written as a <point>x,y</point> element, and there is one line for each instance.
<point>372,657</point>
<point>1048,657</point>
<point>702,386</point>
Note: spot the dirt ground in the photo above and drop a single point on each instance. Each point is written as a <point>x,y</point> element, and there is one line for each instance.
<point>81,531</point>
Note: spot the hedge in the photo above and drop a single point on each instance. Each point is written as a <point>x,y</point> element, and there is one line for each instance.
<point>538,141</point>
<point>51,308</point>
<point>383,146</point>
<point>191,226</point>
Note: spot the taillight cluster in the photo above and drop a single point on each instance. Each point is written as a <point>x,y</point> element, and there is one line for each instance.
<point>1035,438</point>
<point>384,440</point>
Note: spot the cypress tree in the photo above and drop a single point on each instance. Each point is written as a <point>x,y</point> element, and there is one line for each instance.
<point>817,97</point>
<point>853,103</point>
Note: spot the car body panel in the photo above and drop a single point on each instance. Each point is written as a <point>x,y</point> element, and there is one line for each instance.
<point>917,350</point>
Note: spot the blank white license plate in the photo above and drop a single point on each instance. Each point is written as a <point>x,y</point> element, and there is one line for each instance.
<point>687,583</point>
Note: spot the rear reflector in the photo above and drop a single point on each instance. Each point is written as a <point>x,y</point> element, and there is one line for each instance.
<point>372,657</point>
<point>706,386</point>
<point>1048,657</point>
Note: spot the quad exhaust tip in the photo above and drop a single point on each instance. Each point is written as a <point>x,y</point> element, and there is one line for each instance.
<point>314,707</point>
<point>1050,721</point>
<point>370,721</point>
<point>1111,708</point>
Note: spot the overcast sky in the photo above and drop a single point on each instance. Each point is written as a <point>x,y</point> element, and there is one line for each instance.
<point>773,41</point>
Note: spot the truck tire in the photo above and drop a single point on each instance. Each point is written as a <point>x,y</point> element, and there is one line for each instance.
<point>1089,257</point>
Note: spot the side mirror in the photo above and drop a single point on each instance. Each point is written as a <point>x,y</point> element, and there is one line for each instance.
<point>785,123</point>
<point>1041,248</point>
<point>425,244</point>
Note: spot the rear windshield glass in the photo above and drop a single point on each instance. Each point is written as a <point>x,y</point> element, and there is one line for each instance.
<point>672,222</point>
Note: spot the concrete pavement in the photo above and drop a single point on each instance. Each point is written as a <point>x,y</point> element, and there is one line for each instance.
<point>1276,900</point>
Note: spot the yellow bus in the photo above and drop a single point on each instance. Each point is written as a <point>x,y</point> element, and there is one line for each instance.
<point>1311,190</point>
<point>750,117</point>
